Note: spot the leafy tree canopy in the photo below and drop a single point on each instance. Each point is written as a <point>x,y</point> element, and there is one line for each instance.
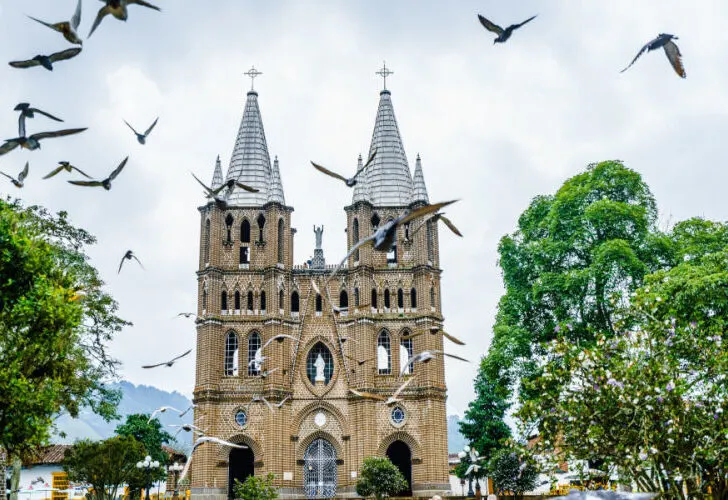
<point>511,472</point>
<point>55,324</point>
<point>151,435</point>
<point>256,488</point>
<point>379,477</point>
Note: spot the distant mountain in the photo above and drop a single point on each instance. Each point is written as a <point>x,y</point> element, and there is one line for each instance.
<point>455,440</point>
<point>135,399</point>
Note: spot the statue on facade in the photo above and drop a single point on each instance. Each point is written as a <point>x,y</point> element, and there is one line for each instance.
<point>318,231</point>
<point>320,364</point>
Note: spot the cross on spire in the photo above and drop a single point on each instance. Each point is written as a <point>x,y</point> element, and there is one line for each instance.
<point>384,73</point>
<point>252,73</point>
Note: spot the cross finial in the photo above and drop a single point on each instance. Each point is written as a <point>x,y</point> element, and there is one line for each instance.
<point>252,73</point>
<point>384,73</point>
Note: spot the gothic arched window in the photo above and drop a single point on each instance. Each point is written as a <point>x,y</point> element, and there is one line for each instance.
<point>294,302</point>
<point>245,231</point>
<point>319,304</point>
<point>343,299</point>
<point>237,300</point>
<point>261,223</point>
<point>387,304</point>
<point>231,354</point>
<point>384,353</point>
<point>430,240</point>
<point>281,303</point>
<point>432,296</point>
<point>355,237</point>
<point>374,298</point>
<point>250,300</point>
<point>206,242</point>
<point>223,301</point>
<point>254,354</point>
<point>356,297</point>
<point>229,227</point>
<point>324,365</point>
<point>406,351</point>
<point>400,298</point>
<point>204,297</point>
<point>262,300</point>
<point>281,241</point>
<point>375,221</point>
<point>413,298</point>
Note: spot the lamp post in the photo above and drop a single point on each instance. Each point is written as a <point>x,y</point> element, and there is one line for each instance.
<point>474,457</point>
<point>175,469</point>
<point>148,465</point>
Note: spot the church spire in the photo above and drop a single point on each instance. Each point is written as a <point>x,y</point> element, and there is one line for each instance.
<point>250,161</point>
<point>419,191</point>
<point>360,188</point>
<point>276,186</point>
<point>217,175</point>
<point>388,179</point>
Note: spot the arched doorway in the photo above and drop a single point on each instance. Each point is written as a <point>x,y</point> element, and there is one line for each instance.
<point>319,470</point>
<point>401,456</point>
<point>240,466</point>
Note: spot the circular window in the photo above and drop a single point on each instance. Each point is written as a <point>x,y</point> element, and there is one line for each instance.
<point>397,415</point>
<point>241,418</point>
<point>320,419</point>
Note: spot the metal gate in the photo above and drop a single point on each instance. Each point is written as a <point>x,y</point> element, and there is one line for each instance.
<point>319,470</point>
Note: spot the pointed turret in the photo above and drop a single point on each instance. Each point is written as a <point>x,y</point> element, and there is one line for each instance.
<point>250,161</point>
<point>275,194</point>
<point>217,175</point>
<point>388,180</point>
<point>360,188</point>
<point>419,190</point>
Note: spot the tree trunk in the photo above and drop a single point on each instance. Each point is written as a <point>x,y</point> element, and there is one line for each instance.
<point>17,464</point>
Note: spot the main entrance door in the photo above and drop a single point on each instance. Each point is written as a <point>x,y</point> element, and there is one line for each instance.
<point>240,466</point>
<point>401,456</point>
<point>319,470</point>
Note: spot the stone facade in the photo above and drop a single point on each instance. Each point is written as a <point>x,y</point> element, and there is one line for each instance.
<point>246,253</point>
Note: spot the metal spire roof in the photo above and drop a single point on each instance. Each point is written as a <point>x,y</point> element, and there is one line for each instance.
<point>419,190</point>
<point>276,186</point>
<point>360,189</point>
<point>217,175</point>
<point>250,161</point>
<point>388,181</point>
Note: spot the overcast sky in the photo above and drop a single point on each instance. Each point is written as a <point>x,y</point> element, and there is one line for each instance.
<point>495,126</point>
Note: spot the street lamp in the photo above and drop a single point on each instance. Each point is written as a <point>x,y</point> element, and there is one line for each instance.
<point>473,468</point>
<point>175,469</point>
<point>148,465</point>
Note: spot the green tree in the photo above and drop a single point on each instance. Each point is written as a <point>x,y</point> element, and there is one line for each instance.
<point>512,473</point>
<point>256,488</point>
<point>105,465</point>
<point>151,435</point>
<point>53,340</point>
<point>379,477</point>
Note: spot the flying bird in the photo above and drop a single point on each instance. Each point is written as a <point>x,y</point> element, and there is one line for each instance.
<point>47,61</point>
<point>128,256</point>
<point>436,329</point>
<point>117,8</point>
<point>220,201</point>
<point>67,28</point>
<point>161,409</point>
<point>257,360</point>
<point>360,361</point>
<point>426,357</point>
<point>367,395</point>
<point>384,237</point>
<point>230,184</point>
<point>278,338</point>
<point>266,373</point>
<point>671,51</point>
<point>106,183</point>
<point>190,407</point>
<point>28,112</point>
<point>503,34</point>
<point>64,165</point>
<point>18,183</point>
<point>187,315</point>
<point>395,397</point>
<point>282,402</point>
<point>142,138</point>
<point>203,440</point>
<point>349,182</point>
<point>170,362</point>
<point>188,428</point>
<point>438,217</point>
<point>260,399</point>
<point>33,142</point>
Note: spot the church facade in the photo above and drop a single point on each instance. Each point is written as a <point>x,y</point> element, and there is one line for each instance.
<point>278,352</point>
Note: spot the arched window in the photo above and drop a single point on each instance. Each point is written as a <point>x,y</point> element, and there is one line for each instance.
<point>430,240</point>
<point>280,241</point>
<point>413,298</point>
<point>407,231</point>
<point>250,301</point>
<point>387,304</point>
<point>245,231</point>
<point>204,297</point>
<point>254,354</point>
<point>229,227</point>
<point>374,298</point>
<point>223,301</point>
<point>206,243</point>
<point>318,303</point>
<point>261,224</point>
<point>325,365</point>
<point>281,303</point>
<point>355,237</point>
<point>356,297</point>
<point>294,302</point>
<point>262,300</point>
<point>237,300</point>
<point>375,221</point>
<point>432,296</point>
<point>343,299</point>
<point>231,354</point>
<point>406,351</point>
<point>400,298</point>
<point>384,354</point>
<point>392,255</point>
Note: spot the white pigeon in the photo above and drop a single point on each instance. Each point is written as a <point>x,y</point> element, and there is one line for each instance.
<point>161,409</point>
<point>203,440</point>
<point>279,338</point>
<point>395,397</point>
<point>425,357</point>
<point>188,428</point>
<point>191,407</point>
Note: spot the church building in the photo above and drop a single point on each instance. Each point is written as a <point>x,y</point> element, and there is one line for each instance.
<point>289,398</point>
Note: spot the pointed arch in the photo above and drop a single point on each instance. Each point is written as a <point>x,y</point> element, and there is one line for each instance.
<point>413,298</point>
<point>406,351</point>
<point>223,301</point>
<point>261,224</point>
<point>254,353</point>
<point>281,240</point>
<point>430,241</point>
<point>355,237</point>
<point>231,354</point>
<point>250,305</point>
<point>281,303</point>
<point>432,297</point>
<point>295,302</point>
<point>356,297</point>
<point>384,353</point>
<point>319,303</point>
<point>343,299</point>
<point>400,299</point>
<point>262,302</point>
<point>206,243</point>
<point>204,297</point>
<point>374,298</point>
<point>387,301</point>
<point>229,227</point>
<point>245,231</point>
<point>237,300</point>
